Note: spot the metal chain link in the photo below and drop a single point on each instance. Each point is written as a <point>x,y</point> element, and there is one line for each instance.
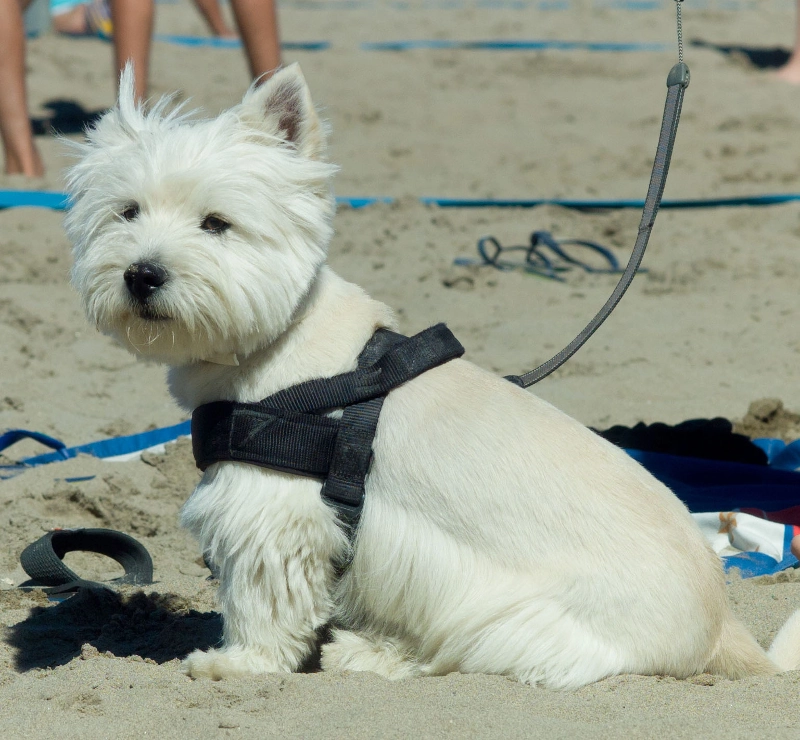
<point>678,5</point>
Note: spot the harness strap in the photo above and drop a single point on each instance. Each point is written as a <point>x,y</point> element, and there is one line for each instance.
<point>352,455</point>
<point>402,362</point>
<point>246,432</point>
<point>677,82</point>
<point>288,431</point>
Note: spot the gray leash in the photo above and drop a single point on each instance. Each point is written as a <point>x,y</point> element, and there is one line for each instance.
<point>677,82</point>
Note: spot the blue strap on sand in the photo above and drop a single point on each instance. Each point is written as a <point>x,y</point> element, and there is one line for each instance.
<point>601,204</point>
<point>220,43</point>
<point>511,45</point>
<point>114,447</point>
<point>60,202</point>
<point>12,436</point>
<point>33,199</point>
<point>783,462</point>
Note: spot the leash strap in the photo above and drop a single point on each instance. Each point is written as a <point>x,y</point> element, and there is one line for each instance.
<point>677,82</point>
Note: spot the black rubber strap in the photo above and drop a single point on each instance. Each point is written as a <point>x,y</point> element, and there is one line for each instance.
<point>43,559</point>
<point>677,82</point>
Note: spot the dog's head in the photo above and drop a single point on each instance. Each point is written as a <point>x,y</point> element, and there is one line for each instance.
<point>196,239</point>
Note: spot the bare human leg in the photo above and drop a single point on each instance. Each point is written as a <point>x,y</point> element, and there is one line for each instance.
<point>212,14</point>
<point>790,72</point>
<point>258,26</point>
<point>133,32</point>
<point>21,155</point>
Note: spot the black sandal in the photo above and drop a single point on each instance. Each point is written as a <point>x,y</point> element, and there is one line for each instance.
<point>43,559</point>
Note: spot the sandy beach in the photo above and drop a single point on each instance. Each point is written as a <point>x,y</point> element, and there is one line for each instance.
<point>706,330</point>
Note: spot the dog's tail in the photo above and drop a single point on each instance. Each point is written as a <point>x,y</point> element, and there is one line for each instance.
<point>738,655</point>
<point>785,649</point>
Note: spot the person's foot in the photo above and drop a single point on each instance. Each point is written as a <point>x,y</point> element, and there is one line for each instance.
<point>795,546</point>
<point>32,171</point>
<point>224,31</point>
<point>28,163</point>
<point>790,72</point>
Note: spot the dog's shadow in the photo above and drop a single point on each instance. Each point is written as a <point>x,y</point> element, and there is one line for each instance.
<point>157,626</point>
<point>759,57</point>
<point>68,117</point>
<point>160,627</point>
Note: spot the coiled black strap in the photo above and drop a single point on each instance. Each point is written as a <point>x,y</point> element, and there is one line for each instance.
<point>43,559</point>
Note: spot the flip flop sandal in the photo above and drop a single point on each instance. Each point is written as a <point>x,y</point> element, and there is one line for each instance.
<point>536,261</point>
<point>43,559</point>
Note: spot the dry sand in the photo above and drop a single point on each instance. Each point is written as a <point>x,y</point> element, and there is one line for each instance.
<point>709,328</point>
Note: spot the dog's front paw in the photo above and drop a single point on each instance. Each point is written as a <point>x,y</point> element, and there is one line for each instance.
<point>231,662</point>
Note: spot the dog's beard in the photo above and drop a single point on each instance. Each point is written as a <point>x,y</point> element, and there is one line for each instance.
<point>150,312</point>
<point>151,330</point>
<point>175,331</point>
<point>145,335</point>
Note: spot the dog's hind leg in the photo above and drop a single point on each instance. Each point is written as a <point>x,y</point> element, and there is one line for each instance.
<point>355,651</point>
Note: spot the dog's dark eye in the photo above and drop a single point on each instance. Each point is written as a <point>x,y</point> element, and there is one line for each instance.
<point>131,211</point>
<point>214,225</point>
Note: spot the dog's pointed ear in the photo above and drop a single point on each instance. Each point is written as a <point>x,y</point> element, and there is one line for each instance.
<point>282,106</point>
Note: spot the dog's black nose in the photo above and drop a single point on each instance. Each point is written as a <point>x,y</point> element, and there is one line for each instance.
<point>144,278</point>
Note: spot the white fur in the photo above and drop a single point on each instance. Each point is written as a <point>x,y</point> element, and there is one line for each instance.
<point>498,534</point>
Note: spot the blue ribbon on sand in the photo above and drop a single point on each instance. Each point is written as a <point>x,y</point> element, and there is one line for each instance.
<point>59,201</point>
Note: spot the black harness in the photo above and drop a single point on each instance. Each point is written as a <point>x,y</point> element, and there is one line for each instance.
<point>289,430</point>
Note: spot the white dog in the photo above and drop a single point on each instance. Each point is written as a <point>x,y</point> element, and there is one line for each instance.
<point>498,535</point>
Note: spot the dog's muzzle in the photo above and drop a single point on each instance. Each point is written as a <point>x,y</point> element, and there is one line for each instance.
<point>144,279</point>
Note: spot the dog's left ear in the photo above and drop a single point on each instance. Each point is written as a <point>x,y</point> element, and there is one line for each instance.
<point>282,106</point>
